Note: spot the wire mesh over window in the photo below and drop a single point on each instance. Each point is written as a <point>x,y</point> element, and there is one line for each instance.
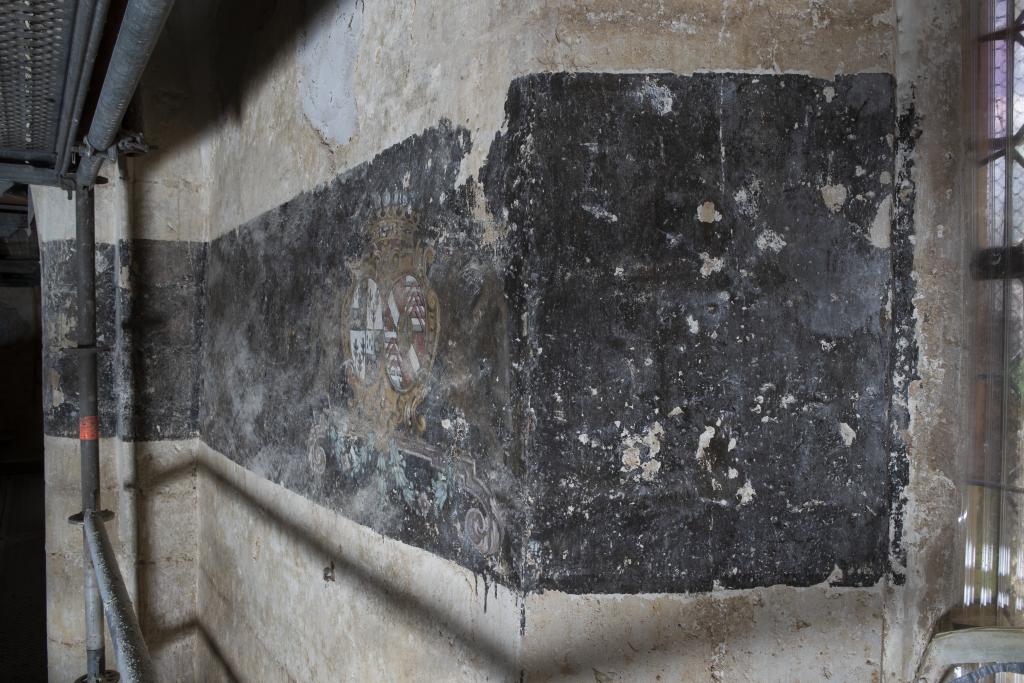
<point>993,514</point>
<point>33,49</point>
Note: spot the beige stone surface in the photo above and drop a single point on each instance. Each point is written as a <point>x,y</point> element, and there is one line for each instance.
<point>929,77</point>
<point>408,76</point>
<point>775,634</point>
<point>160,571</point>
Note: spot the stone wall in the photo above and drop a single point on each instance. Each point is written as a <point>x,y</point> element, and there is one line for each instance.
<point>544,340</point>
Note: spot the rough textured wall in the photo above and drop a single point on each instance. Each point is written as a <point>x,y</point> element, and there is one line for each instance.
<point>932,44</point>
<point>702,272</point>
<point>150,320</point>
<point>413,64</point>
<point>358,353</point>
<point>248,134</point>
<point>290,590</point>
<point>705,285</point>
<point>408,78</point>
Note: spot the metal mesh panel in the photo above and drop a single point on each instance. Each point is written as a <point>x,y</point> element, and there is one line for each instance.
<point>32,38</point>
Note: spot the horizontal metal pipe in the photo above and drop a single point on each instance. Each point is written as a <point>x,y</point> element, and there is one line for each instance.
<point>30,175</point>
<point>133,660</point>
<point>140,29</point>
<point>969,646</point>
<point>32,156</point>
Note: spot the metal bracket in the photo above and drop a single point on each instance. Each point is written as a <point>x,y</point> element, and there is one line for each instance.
<point>87,150</point>
<point>999,263</point>
<point>132,144</point>
<point>78,519</point>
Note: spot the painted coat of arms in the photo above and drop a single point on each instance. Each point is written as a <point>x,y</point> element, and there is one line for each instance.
<point>390,330</point>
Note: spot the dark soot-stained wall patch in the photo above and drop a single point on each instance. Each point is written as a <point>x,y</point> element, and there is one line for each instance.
<point>149,321</point>
<point>702,273</point>
<point>663,365</point>
<point>357,353</point>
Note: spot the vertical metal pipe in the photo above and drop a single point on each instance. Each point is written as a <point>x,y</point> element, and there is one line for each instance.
<point>88,420</point>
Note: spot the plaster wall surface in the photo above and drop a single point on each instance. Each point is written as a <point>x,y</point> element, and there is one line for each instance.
<point>292,591</point>
<point>253,133</point>
<point>416,63</point>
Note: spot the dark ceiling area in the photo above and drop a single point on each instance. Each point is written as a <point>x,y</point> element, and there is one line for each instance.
<point>19,243</point>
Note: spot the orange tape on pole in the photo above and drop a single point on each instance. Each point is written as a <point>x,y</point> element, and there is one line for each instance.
<point>89,428</point>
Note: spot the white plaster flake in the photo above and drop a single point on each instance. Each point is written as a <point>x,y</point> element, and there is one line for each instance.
<point>703,441</point>
<point>771,241</point>
<point>710,265</point>
<point>707,213</point>
<point>834,197</point>
<point>881,227</point>
<point>600,212</point>
<point>650,469</point>
<point>636,448</point>
<point>746,493</point>
<point>657,96</point>
<point>847,433</point>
